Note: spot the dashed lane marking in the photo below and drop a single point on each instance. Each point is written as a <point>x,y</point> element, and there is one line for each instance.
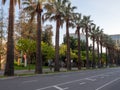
<point>69,82</point>
<point>82,83</point>
<point>59,88</point>
<point>107,84</point>
<point>90,79</point>
<point>30,81</point>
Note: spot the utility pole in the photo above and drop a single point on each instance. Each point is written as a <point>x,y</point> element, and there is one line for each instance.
<point>1,33</point>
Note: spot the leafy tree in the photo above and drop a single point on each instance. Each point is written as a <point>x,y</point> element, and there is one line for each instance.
<point>47,34</point>
<point>47,51</point>
<point>62,51</point>
<point>27,46</point>
<point>73,42</point>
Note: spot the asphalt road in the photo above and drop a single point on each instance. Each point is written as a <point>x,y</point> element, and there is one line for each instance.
<point>102,79</point>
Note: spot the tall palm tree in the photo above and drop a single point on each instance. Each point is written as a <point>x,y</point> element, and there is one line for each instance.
<point>79,25</point>
<point>55,12</point>
<point>9,68</point>
<point>105,44</point>
<point>109,44</point>
<point>87,23</point>
<point>101,45</point>
<point>93,34</point>
<point>98,51</point>
<point>68,17</point>
<point>35,8</point>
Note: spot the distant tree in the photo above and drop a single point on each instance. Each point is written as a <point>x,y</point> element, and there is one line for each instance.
<point>47,34</point>
<point>27,46</point>
<point>47,52</point>
<point>62,51</point>
<point>73,42</point>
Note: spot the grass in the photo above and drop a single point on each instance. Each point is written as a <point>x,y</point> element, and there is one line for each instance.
<point>31,67</point>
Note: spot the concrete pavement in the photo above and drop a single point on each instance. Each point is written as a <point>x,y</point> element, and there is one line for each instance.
<point>47,70</point>
<point>102,79</point>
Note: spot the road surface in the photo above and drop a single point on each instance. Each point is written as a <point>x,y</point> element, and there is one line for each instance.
<point>101,79</point>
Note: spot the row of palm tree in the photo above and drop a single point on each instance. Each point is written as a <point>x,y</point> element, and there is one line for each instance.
<point>66,13</point>
<point>61,12</point>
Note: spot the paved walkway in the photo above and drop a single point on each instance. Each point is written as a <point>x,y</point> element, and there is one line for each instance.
<point>33,71</point>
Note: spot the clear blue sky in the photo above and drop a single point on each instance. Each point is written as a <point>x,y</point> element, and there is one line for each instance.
<point>104,13</point>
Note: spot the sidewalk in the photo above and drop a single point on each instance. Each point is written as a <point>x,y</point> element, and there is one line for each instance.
<point>33,71</point>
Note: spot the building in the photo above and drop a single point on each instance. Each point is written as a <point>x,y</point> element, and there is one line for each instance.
<point>116,39</point>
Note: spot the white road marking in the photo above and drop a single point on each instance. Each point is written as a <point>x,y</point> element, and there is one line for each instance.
<point>90,79</point>
<point>107,84</point>
<point>75,81</point>
<point>59,88</point>
<point>82,83</point>
<point>105,75</point>
<point>30,81</point>
<point>101,77</point>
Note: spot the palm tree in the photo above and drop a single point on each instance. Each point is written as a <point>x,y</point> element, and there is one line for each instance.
<point>55,12</point>
<point>109,44</point>
<point>93,34</point>
<point>35,8</point>
<point>9,68</point>
<point>101,44</point>
<point>78,22</point>
<point>105,42</point>
<point>87,23</point>
<point>68,17</point>
<point>98,40</point>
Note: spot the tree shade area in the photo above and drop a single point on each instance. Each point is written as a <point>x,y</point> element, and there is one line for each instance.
<point>30,40</point>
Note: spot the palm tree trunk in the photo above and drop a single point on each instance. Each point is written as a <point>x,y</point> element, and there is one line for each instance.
<point>1,47</point>
<point>106,57</point>
<point>38,68</point>
<point>98,54</point>
<point>0,60</point>
<point>87,49</point>
<point>79,49</point>
<point>93,54</point>
<point>68,46</point>
<point>57,67</point>
<point>101,54</point>
<point>9,68</point>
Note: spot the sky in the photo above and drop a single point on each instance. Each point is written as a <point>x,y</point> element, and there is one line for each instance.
<point>104,13</point>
